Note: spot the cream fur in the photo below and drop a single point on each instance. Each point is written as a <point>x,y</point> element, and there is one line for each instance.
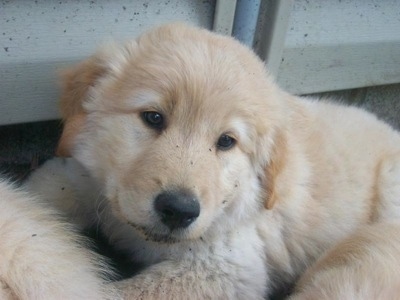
<point>41,257</point>
<point>304,175</point>
<point>364,266</point>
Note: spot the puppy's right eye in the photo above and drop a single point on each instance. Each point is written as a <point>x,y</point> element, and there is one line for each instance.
<point>153,119</point>
<point>225,142</point>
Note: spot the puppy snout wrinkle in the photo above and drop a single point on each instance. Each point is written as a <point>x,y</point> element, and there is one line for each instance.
<point>177,209</point>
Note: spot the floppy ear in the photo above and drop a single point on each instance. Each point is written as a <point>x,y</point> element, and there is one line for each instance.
<point>72,127</point>
<point>274,169</point>
<point>76,82</point>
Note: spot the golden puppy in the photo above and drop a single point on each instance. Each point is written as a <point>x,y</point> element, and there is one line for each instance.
<point>203,169</point>
<point>41,257</point>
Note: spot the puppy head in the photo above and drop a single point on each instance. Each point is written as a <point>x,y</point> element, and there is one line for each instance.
<point>178,126</point>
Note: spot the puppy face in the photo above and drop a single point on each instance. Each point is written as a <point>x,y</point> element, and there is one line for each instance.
<point>179,128</point>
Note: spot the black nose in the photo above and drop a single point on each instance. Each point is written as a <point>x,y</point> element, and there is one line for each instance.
<point>177,209</point>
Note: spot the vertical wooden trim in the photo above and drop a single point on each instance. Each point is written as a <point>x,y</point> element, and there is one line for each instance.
<point>224,16</point>
<point>274,21</point>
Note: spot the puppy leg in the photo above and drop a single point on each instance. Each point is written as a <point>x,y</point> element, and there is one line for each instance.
<point>41,257</point>
<point>364,266</point>
<point>191,280</point>
<point>65,185</point>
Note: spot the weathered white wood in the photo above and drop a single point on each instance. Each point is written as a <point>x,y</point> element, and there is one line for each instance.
<point>270,39</point>
<point>336,45</point>
<point>37,38</point>
<point>245,23</point>
<point>329,45</point>
<point>224,16</point>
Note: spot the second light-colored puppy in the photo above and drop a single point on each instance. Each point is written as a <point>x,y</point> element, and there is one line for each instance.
<point>207,172</point>
<point>41,256</point>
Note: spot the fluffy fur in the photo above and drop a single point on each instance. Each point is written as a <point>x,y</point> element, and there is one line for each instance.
<point>363,266</point>
<point>302,177</point>
<point>41,257</point>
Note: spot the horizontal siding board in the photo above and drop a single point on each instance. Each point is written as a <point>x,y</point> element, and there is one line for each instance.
<point>334,45</point>
<point>39,37</point>
<point>29,91</point>
<point>329,45</point>
<point>339,67</point>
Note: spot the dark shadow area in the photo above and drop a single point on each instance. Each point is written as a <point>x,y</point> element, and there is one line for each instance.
<point>23,147</point>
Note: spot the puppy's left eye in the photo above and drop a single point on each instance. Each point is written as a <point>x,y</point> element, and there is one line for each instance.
<point>225,142</point>
<point>153,119</point>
